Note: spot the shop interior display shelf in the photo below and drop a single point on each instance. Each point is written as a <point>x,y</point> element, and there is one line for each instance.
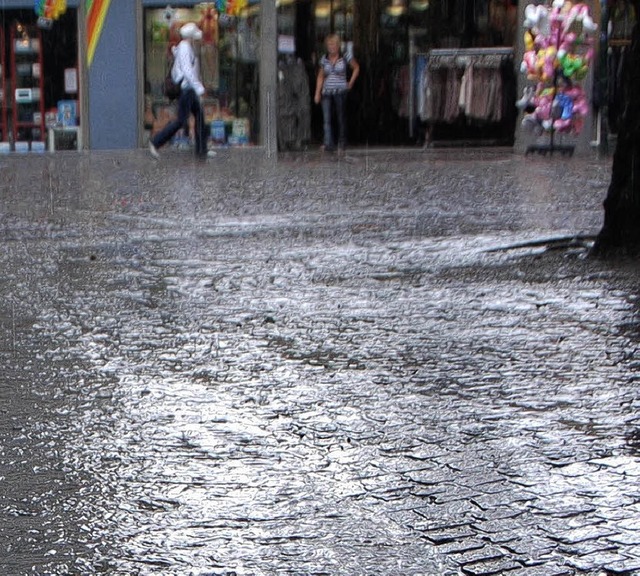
<point>27,85</point>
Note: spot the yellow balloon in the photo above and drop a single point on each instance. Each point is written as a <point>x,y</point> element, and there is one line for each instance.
<point>528,41</point>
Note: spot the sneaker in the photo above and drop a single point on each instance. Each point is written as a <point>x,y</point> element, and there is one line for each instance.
<point>154,151</point>
<point>206,155</point>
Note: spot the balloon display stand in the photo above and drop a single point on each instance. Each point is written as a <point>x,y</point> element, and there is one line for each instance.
<point>558,40</point>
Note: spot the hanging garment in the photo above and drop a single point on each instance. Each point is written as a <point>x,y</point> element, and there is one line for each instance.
<point>452,95</point>
<point>464,84</point>
<point>294,105</point>
<point>466,90</point>
<point>420,85</point>
<point>403,89</point>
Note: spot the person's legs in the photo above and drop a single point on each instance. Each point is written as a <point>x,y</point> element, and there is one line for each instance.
<point>201,132</point>
<point>184,105</point>
<point>326,116</point>
<point>341,113</point>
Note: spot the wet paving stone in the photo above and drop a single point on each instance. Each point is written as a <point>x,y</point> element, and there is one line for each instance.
<point>584,534</point>
<point>623,567</point>
<point>446,536</point>
<point>486,554</point>
<point>490,567</point>
<point>547,570</point>
<point>459,547</point>
<point>626,537</point>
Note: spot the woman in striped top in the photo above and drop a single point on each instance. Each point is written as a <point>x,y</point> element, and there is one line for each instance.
<point>331,89</point>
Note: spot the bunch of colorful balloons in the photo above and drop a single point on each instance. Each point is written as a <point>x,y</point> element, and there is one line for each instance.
<point>558,51</point>
<point>50,9</point>
<point>231,7</point>
<point>561,110</point>
<point>560,38</point>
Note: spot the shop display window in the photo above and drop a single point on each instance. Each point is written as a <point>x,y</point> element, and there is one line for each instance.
<point>37,64</point>
<point>390,39</point>
<point>228,57</point>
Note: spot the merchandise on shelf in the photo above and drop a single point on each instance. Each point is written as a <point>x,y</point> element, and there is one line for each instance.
<point>67,114</point>
<point>27,87</point>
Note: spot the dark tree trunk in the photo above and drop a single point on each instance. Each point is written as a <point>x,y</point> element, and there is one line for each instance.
<point>620,233</point>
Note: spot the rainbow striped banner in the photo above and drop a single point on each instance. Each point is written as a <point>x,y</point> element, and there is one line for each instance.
<point>96,11</point>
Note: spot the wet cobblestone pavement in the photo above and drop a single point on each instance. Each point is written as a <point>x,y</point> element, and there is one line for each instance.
<point>339,367</point>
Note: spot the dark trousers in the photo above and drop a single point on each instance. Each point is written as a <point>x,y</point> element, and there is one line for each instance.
<point>188,103</point>
<point>334,103</point>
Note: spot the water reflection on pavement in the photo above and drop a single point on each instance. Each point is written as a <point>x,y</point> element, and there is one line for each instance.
<point>314,368</point>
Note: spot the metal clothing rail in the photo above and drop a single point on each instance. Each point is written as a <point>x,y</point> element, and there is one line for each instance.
<point>498,51</point>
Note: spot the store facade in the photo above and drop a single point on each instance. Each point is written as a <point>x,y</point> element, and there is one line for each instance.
<point>102,65</point>
<point>91,76</point>
<point>444,73</point>
<point>69,75</point>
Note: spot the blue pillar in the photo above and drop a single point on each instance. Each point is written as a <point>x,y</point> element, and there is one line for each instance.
<point>113,81</point>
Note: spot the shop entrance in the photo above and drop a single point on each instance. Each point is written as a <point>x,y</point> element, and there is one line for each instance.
<point>391,41</point>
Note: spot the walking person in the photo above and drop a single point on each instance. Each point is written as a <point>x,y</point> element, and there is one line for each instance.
<point>185,72</point>
<point>332,86</point>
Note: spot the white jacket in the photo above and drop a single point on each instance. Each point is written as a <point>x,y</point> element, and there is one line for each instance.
<point>186,68</point>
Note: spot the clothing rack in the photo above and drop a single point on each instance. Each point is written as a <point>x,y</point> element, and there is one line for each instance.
<point>446,52</point>
<point>453,58</point>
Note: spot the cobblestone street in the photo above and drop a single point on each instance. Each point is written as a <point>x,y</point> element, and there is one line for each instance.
<point>398,363</point>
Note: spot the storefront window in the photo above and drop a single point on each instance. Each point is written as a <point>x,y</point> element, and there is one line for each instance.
<point>390,39</point>
<point>228,56</point>
<point>39,88</point>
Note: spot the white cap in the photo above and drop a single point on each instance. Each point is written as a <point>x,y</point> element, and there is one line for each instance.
<point>190,30</point>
